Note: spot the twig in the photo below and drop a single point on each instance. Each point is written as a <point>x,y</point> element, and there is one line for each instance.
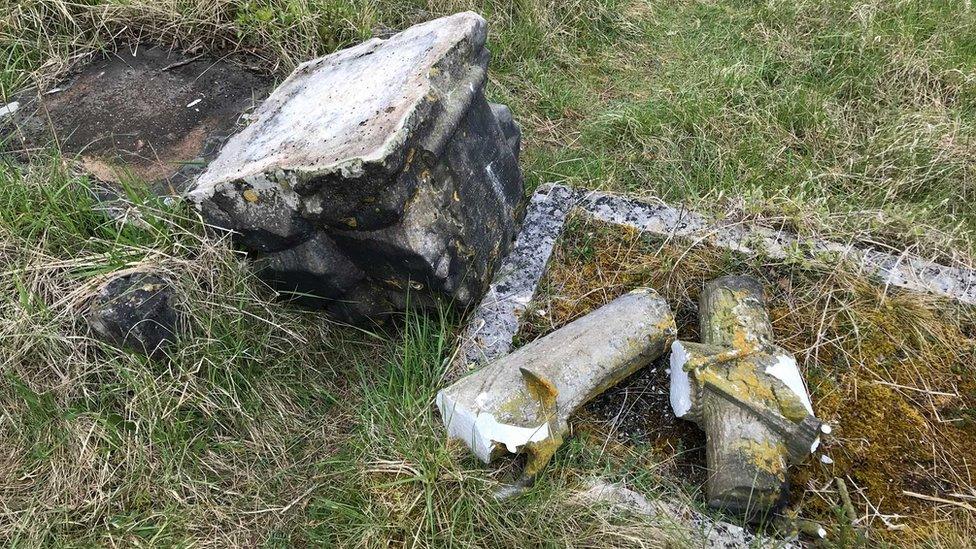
<point>910,388</point>
<point>181,63</point>
<point>935,499</point>
<point>845,499</point>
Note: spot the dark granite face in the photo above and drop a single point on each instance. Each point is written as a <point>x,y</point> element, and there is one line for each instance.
<point>150,113</point>
<point>443,245</point>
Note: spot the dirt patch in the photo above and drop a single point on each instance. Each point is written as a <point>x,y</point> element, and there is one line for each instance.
<point>150,115</point>
<point>638,411</point>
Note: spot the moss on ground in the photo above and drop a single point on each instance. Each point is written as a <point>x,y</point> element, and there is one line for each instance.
<point>891,371</point>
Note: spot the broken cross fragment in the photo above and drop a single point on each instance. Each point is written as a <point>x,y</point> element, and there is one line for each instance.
<point>748,396</point>
<point>376,175</point>
<point>521,402</point>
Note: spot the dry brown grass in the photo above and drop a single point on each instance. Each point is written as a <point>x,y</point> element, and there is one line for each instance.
<point>852,121</point>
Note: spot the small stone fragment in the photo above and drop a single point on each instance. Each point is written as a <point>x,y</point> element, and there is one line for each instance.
<point>689,524</point>
<point>135,311</point>
<point>9,108</point>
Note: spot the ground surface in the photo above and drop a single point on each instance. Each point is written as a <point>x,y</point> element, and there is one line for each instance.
<point>269,426</point>
<point>145,114</point>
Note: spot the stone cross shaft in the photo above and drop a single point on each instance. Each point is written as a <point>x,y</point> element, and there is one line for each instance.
<point>748,396</point>
<point>521,402</point>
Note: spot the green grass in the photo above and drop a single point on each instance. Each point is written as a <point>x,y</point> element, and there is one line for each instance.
<point>270,426</point>
<point>266,425</point>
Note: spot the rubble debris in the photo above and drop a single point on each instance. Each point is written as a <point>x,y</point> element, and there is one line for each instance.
<point>698,529</point>
<point>522,402</point>
<point>124,116</point>
<point>388,150</point>
<point>135,311</point>
<point>493,324</point>
<point>748,396</point>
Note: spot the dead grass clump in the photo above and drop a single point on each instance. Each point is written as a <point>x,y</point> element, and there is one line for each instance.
<point>892,371</point>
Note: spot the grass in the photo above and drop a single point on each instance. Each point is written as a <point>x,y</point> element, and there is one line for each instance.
<point>270,426</point>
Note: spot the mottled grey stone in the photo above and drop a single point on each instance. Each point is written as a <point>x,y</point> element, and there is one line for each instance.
<point>390,149</point>
<point>697,528</point>
<point>136,312</point>
<point>902,270</point>
<point>493,324</point>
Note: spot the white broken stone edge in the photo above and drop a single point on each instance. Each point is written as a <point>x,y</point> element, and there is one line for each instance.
<point>787,371</point>
<point>434,38</point>
<point>482,431</point>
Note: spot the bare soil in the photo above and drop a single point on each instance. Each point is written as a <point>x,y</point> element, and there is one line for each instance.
<point>152,114</point>
<point>638,411</point>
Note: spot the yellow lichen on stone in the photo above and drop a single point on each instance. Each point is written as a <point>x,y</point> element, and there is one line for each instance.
<point>540,453</point>
<point>250,196</point>
<point>742,373</point>
<point>766,455</point>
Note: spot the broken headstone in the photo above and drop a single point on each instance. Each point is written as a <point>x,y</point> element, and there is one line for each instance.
<point>748,395</point>
<point>149,115</point>
<point>135,311</point>
<point>521,402</point>
<point>376,175</point>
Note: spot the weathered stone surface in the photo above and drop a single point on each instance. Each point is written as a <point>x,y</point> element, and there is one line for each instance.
<point>506,121</point>
<point>148,114</point>
<point>136,312</point>
<point>748,395</point>
<point>522,401</point>
<point>681,521</point>
<point>494,323</point>
<point>390,149</point>
<point>904,270</point>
